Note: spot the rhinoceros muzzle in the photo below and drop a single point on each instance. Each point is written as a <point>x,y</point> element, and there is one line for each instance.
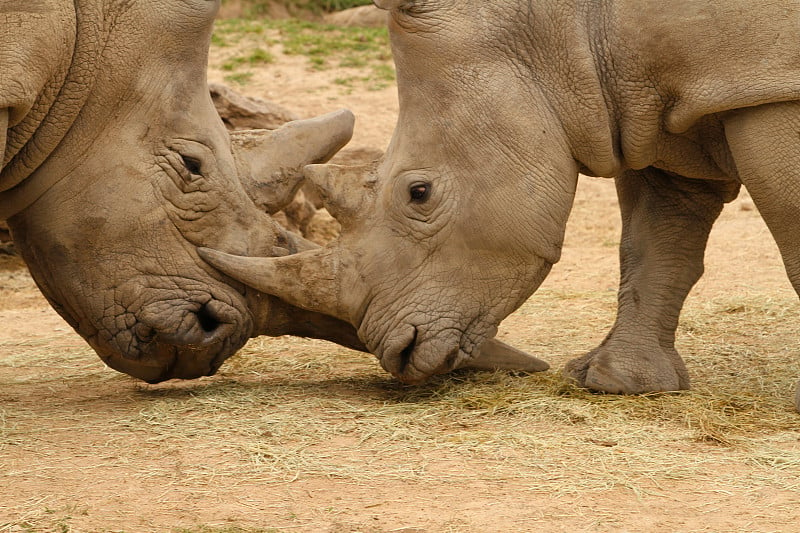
<point>166,361</point>
<point>211,324</point>
<point>204,337</point>
<point>396,355</point>
<point>418,354</point>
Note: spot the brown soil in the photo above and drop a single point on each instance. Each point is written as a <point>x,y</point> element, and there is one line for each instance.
<point>304,436</point>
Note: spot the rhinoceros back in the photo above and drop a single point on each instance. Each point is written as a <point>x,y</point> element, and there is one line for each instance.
<point>708,57</point>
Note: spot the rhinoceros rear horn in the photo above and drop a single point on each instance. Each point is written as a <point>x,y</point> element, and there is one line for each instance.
<point>307,280</point>
<point>497,355</point>
<point>345,190</point>
<point>270,162</point>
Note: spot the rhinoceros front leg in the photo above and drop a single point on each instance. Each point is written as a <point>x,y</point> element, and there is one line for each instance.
<point>666,220</point>
<point>765,144</point>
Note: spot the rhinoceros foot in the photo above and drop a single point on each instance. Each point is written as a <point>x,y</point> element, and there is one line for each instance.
<point>605,369</point>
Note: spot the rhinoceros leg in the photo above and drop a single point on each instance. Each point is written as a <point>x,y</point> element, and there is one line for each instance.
<point>666,220</point>
<point>765,144</point>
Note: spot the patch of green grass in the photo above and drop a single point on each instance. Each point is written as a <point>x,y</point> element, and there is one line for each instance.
<point>383,75</point>
<point>240,78</point>
<point>325,46</point>
<point>380,78</point>
<point>259,56</point>
<point>218,40</point>
<point>351,46</point>
<point>353,62</point>
<point>261,7</point>
<point>231,31</point>
<point>336,5</point>
<point>345,82</point>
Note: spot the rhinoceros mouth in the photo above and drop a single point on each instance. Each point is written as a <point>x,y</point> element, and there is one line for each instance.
<point>167,362</point>
<point>408,351</point>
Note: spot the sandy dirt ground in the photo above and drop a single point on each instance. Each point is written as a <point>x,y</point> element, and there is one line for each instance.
<point>294,435</point>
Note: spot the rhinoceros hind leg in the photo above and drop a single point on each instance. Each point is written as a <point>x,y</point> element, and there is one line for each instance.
<point>666,220</point>
<point>764,143</point>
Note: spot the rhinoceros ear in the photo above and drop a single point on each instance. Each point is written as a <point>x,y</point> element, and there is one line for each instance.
<point>391,4</point>
<point>270,162</point>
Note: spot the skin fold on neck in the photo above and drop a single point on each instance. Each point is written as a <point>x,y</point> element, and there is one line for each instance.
<point>51,117</point>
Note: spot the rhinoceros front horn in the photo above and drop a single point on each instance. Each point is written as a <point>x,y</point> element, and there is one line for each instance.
<point>270,162</point>
<point>307,280</point>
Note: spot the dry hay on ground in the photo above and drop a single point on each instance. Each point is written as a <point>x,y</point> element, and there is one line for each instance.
<point>306,436</point>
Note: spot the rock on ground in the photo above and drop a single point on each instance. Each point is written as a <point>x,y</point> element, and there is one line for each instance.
<point>240,112</point>
<point>363,16</point>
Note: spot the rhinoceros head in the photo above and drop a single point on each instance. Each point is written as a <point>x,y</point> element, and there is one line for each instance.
<point>117,166</point>
<point>461,220</point>
<point>415,270</point>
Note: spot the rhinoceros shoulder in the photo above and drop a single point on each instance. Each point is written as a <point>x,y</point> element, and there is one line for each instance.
<point>36,42</point>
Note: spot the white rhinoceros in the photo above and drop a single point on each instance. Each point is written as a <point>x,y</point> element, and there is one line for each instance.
<point>115,166</point>
<point>501,104</point>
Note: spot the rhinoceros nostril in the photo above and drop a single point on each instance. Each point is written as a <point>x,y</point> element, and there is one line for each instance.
<point>405,354</point>
<point>209,320</point>
<point>197,325</point>
<point>144,332</point>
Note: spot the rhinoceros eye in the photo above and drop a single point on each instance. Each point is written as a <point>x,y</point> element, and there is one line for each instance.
<point>191,164</point>
<point>420,192</point>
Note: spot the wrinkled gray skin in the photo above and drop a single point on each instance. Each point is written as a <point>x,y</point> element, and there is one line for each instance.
<point>501,105</point>
<point>115,166</point>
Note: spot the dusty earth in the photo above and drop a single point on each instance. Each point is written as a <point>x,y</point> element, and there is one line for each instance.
<point>304,436</point>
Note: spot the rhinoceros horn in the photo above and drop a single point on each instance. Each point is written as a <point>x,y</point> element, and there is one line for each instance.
<point>270,162</point>
<point>306,280</point>
<point>345,190</point>
<point>312,280</point>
